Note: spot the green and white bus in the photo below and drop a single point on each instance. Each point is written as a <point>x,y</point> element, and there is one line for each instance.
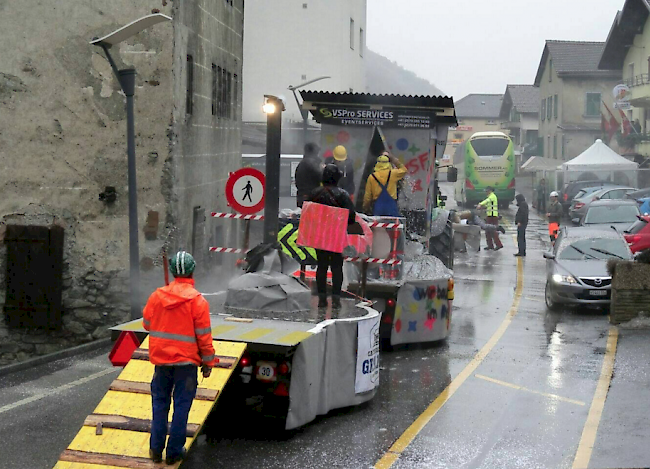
<point>485,159</point>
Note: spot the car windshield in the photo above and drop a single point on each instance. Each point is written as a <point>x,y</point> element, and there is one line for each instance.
<point>593,249</point>
<point>611,214</point>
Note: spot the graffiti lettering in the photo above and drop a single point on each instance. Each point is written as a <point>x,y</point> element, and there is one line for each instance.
<point>419,163</point>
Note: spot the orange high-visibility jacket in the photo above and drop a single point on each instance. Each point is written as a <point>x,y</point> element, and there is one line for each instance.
<point>178,320</point>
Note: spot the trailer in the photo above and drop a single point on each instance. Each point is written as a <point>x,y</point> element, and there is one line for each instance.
<point>414,129</point>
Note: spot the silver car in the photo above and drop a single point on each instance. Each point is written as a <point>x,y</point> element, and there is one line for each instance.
<point>576,267</point>
<point>607,214</point>
<point>583,200</point>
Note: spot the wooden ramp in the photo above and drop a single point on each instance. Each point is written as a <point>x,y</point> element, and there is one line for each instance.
<point>116,434</point>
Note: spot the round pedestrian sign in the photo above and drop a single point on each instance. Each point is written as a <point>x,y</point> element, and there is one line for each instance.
<point>245,190</point>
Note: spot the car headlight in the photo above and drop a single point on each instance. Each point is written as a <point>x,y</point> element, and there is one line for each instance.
<point>557,278</point>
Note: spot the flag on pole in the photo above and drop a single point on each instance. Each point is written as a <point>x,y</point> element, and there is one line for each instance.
<point>604,126</point>
<point>627,125</point>
<point>613,123</point>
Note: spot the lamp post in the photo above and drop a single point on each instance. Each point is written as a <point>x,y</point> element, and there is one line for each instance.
<point>303,112</point>
<point>273,107</point>
<point>126,78</point>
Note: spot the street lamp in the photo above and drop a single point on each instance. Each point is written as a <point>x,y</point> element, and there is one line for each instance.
<point>304,112</point>
<point>273,107</point>
<point>126,78</point>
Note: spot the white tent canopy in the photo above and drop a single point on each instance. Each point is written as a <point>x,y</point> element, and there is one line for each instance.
<point>599,157</point>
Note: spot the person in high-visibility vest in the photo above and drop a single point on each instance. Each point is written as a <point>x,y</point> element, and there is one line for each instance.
<point>554,216</point>
<point>180,340</point>
<point>491,206</point>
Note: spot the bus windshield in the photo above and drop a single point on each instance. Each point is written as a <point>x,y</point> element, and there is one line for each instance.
<point>490,148</point>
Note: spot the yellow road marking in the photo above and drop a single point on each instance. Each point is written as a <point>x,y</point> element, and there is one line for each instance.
<point>394,452</point>
<point>216,330</point>
<point>255,333</point>
<point>586,445</point>
<point>521,388</point>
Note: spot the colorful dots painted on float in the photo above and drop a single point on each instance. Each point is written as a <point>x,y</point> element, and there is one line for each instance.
<point>429,323</point>
<point>398,325</point>
<point>413,326</point>
<point>402,144</point>
<point>413,307</point>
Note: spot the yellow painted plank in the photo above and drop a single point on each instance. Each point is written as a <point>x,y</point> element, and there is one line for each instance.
<point>136,444</point>
<point>294,337</point>
<point>222,329</point>
<point>255,333</point>
<point>134,326</point>
<point>120,442</point>
<point>78,465</point>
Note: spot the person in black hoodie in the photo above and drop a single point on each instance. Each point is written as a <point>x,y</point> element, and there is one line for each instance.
<point>330,194</point>
<point>308,173</point>
<point>521,220</point>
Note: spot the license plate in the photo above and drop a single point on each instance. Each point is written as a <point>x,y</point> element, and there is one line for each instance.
<point>266,371</point>
<point>598,292</point>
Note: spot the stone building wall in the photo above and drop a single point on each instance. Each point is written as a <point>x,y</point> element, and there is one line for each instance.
<point>63,140</point>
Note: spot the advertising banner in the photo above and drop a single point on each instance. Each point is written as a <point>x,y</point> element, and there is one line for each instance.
<point>367,376</point>
<point>354,116</point>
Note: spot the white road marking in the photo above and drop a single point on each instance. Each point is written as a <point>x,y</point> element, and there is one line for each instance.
<point>58,390</point>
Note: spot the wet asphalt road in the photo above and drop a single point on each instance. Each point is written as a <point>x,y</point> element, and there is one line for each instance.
<point>524,405</point>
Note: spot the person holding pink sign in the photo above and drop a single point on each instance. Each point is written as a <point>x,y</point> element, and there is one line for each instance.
<point>332,195</point>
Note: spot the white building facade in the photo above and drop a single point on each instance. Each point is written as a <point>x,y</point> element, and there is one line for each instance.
<point>289,42</point>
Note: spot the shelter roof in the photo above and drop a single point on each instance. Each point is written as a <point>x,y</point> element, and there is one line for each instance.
<point>599,156</point>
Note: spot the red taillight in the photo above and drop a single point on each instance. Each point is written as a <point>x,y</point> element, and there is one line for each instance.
<point>281,390</point>
<point>390,303</point>
<point>512,184</point>
<point>579,205</point>
<point>283,369</point>
<point>245,361</point>
<point>566,197</point>
<point>469,184</point>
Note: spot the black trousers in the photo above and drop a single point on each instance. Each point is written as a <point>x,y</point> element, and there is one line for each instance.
<point>521,239</point>
<point>333,261</point>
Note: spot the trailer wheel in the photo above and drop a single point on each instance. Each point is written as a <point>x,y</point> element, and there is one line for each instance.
<point>442,246</point>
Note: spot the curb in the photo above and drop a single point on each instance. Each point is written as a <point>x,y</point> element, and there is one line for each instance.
<point>50,357</point>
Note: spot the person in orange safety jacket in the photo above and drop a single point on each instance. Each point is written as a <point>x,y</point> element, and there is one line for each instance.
<point>180,340</point>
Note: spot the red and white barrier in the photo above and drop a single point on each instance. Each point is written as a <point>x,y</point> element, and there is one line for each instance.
<point>374,260</point>
<point>237,216</point>
<point>228,250</point>
<point>377,224</point>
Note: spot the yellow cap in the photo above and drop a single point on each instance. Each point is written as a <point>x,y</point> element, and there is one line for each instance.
<point>340,153</point>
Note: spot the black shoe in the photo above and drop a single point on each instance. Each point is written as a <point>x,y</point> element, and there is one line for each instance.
<point>174,459</point>
<point>155,456</point>
<point>322,302</point>
<point>519,255</point>
<point>501,229</point>
<point>497,248</point>
<point>336,302</point>
<point>488,248</point>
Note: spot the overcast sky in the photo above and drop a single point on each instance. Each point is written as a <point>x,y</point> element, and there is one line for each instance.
<point>480,46</point>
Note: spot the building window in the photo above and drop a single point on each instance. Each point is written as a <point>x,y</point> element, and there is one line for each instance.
<point>235,95</point>
<point>189,96</point>
<point>304,6</point>
<point>592,108</point>
<point>351,34</point>
<point>540,146</point>
<point>555,102</point>
<point>548,145</point>
<point>491,122</point>
<point>550,70</point>
<point>229,95</point>
<point>555,146</point>
<point>543,113</point>
<point>303,77</point>
<point>218,85</point>
<point>563,147</point>
<point>362,39</point>
<point>214,90</point>
<point>224,93</point>
<point>549,108</point>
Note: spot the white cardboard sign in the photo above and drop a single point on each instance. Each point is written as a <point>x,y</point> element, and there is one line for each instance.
<point>367,376</point>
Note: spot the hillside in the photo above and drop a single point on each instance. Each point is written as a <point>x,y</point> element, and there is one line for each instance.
<point>384,76</point>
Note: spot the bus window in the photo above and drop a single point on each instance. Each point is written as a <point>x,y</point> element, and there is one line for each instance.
<point>490,148</point>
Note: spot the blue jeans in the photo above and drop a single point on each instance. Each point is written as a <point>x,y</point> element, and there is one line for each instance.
<point>182,381</point>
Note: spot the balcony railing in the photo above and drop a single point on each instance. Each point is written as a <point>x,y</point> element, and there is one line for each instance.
<point>638,80</point>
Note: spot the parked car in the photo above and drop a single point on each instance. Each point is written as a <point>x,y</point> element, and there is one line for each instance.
<point>639,194</point>
<point>576,266</point>
<point>638,235</point>
<point>581,203</point>
<point>618,214</point>
<point>570,190</point>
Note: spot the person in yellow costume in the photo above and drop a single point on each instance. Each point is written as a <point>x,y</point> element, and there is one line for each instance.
<point>380,197</point>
